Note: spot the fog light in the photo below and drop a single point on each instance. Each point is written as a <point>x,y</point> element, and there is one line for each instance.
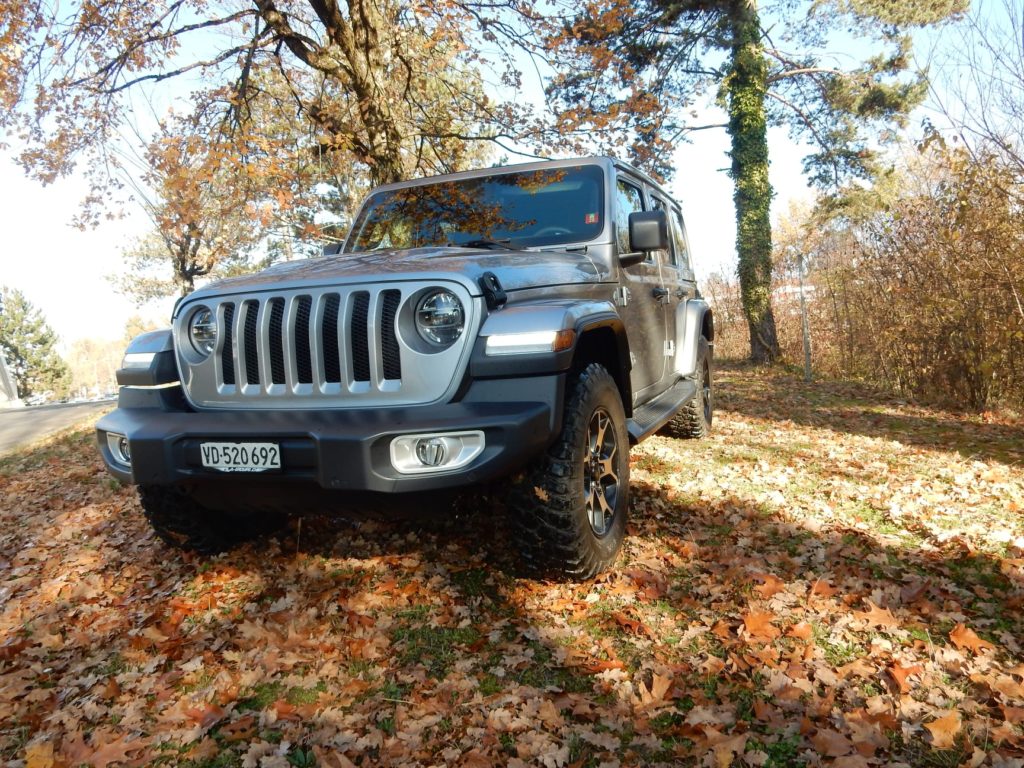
<point>119,448</point>
<point>431,451</point>
<point>438,452</point>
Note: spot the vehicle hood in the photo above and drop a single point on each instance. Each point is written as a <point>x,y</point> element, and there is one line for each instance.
<point>515,270</point>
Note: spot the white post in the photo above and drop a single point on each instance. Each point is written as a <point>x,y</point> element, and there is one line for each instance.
<point>804,325</point>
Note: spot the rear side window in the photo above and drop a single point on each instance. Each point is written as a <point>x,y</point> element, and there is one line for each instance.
<point>660,205</point>
<point>679,236</point>
<point>627,200</point>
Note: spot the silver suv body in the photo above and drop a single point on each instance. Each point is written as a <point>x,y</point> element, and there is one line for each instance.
<point>454,339</point>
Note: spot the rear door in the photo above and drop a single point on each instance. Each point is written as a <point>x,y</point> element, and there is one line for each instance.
<point>642,307</point>
<point>672,276</point>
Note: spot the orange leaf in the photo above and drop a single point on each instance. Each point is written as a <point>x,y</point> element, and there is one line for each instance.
<point>759,624</point>
<point>1013,714</point>
<point>945,729</point>
<point>654,694</point>
<point>900,674</point>
<point>823,589</point>
<point>39,755</point>
<point>240,730</point>
<point>631,625</point>
<point>801,631</point>
<point>206,715</point>
<point>831,743</point>
<point>11,647</point>
<point>722,629</point>
<point>877,617</point>
<point>964,637</point>
<point>771,585</point>
<point>115,752</point>
<point>725,751</point>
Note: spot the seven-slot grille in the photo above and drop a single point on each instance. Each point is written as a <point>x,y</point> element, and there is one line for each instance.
<point>304,343</point>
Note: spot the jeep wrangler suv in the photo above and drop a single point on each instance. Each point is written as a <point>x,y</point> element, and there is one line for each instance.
<point>526,322</point>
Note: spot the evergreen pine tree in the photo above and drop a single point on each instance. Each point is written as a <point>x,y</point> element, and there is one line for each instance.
<point>28,345</point>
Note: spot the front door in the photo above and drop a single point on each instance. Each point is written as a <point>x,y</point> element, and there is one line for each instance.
<point>643,305</point>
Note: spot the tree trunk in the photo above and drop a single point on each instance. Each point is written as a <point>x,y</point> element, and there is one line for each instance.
<point>746,87</point>
<point>360,41</point>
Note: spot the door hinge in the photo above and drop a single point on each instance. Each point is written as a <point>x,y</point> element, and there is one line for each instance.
<point>670,348</point>
<point>621,296</point>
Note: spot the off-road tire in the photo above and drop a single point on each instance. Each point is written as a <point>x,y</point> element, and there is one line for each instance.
<point>183,523</point>
<point>550,509</point>
<point>693,421</point>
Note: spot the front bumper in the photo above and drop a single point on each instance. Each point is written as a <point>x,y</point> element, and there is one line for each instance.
<point>336,449</point>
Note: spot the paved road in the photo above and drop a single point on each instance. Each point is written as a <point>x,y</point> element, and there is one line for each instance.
<point>21,426</point>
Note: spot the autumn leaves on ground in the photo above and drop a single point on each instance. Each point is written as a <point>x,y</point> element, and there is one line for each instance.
<point>832,579</point>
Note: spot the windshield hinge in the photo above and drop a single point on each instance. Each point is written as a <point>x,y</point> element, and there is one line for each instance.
<point>494,294</point>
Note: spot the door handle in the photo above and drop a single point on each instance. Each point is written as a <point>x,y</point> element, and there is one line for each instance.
<point>660,293</point>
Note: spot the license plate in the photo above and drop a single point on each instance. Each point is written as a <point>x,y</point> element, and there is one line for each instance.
<point>241,457</point>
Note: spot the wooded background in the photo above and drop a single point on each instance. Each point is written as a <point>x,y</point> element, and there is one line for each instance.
<point>249,132</point>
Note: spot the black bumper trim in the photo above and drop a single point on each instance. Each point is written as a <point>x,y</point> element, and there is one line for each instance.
<point>340,449</point>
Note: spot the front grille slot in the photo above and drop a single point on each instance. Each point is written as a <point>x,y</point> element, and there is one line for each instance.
<point>252,360</point>
<point>360,337</point>
<point>276,341</point>
<point>332,360</point>
<point>227,353</point>
<point>390,352</point>
<point>303,355</point>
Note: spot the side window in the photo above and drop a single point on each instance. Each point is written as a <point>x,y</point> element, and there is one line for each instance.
<point>627,200</point>
<point>679,235</point>
<point>660,205</point>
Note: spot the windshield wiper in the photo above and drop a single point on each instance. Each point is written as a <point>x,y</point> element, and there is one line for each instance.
<point>503,245</point>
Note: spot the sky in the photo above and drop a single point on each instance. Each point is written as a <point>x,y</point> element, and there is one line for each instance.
<point>66,272</point>
<point>61,270</point>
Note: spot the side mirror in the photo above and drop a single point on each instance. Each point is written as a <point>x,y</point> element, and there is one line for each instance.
<point>648,231</point>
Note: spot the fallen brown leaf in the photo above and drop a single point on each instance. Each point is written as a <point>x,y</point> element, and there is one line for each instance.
<point>944,730</point>
<point>759,625</point>
<point>831,743</point>
<point>877,617</point>
<point>39,755</point>
<point>964,637</point>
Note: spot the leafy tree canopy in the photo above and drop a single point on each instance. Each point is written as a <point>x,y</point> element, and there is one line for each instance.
<point>397,88</point>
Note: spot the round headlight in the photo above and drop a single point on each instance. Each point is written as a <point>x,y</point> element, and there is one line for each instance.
<point>440,317</point>
<point>202,331</point>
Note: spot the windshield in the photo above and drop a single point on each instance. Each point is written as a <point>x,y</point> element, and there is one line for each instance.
<point>528,208</point>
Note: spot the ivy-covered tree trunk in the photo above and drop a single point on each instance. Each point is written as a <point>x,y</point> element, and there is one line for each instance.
<point>746,87</point>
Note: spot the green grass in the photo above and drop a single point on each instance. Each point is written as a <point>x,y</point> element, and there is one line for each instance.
<point>433,647</point>
<point>836,652</point>
<point>262,695</point>
<point>782,753</point>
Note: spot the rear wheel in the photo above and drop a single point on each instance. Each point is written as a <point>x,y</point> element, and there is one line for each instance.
<point>183,523</point>
<point>693,421</point>
<point>568,510</point>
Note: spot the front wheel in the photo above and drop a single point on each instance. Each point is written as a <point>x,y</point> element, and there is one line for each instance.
<point>568,510</point>
<point>183,523</point>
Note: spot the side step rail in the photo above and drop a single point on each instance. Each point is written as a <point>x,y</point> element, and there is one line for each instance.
<point>653,415</point>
